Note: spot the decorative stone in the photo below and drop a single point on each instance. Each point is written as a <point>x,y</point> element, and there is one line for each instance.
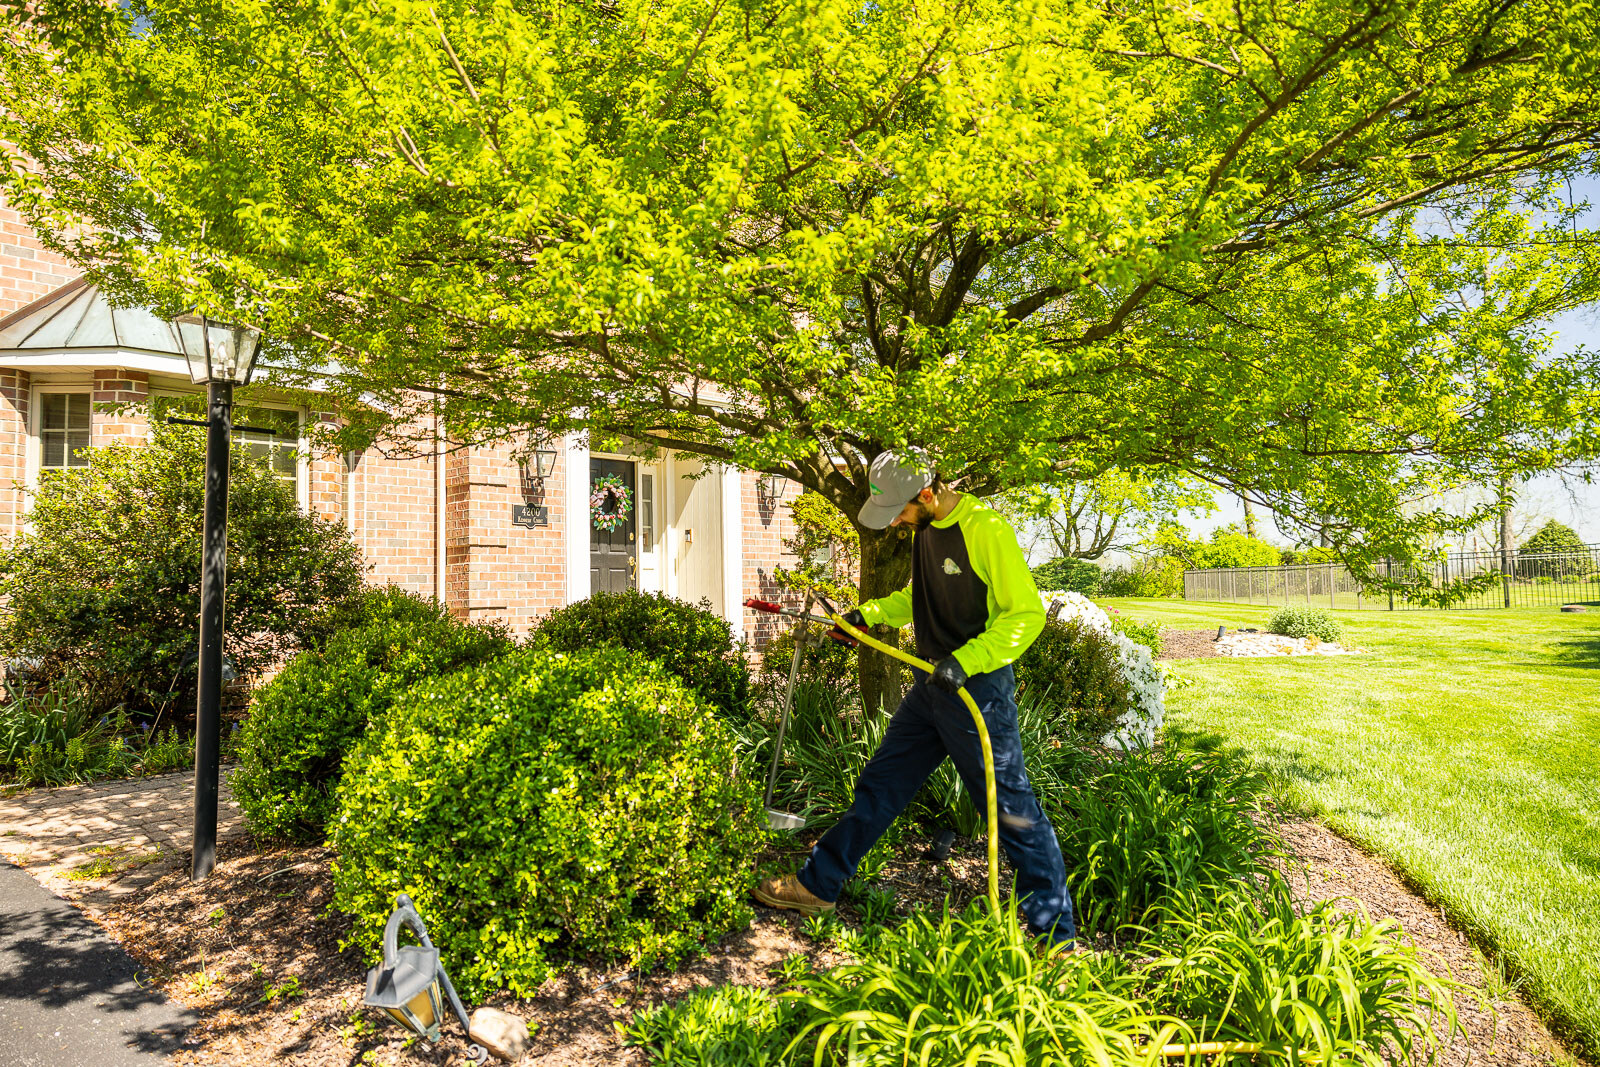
<point>1573,607</point>
<point>503,1034</point>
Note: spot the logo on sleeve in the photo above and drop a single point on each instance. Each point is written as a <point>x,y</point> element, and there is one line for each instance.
<point>950,566</point>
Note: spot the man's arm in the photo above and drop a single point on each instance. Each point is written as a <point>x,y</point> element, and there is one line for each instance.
<point>892,610</point>
<point>1016,615</point>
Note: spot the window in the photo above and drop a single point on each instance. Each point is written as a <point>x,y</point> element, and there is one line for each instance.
<point>272,438</point>
<point>647,512</point>
<point>63,429</point>
<point>271,435</point>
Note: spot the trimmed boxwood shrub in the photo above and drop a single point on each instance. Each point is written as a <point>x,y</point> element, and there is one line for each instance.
<point>547,806</point>
<point>304,722</point>
<point>692,642</point>
<point>1305,620</point>
<point>1078,668</point>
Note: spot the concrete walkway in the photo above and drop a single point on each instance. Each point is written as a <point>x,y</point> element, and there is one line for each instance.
<point>69,996</point>
<point>93,843</point>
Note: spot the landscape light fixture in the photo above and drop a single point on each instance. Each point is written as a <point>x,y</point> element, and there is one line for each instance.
<point>220,356</point>
<point>410,985</point>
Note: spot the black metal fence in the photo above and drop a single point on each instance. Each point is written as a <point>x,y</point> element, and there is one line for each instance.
<point>1542,579</point>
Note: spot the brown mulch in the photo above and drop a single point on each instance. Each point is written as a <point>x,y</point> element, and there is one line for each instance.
<point>255,951</point>
<point>1188,644</point>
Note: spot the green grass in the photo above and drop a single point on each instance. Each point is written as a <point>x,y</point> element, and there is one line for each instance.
<point>1463,749</point>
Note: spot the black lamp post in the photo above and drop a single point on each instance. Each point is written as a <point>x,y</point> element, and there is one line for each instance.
<point>220,356</point>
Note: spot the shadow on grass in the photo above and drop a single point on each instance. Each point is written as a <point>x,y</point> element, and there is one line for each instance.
<point>1575,652</point>
<point>1282,768</point>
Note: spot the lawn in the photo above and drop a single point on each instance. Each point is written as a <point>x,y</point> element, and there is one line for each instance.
<point>1463,749</point>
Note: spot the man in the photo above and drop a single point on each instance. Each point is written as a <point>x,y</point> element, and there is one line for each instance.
<point>975,610</point>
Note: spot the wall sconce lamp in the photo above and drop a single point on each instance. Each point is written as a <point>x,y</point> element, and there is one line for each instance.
<point>769,488</point>
<point>535,473</point>
<point>410,985</point>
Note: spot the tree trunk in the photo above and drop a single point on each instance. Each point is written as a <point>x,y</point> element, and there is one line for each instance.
<point>1249,517</point>
<point>885,567</point>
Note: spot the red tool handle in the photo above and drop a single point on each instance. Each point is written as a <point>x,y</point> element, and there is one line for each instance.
<point>774,608</point>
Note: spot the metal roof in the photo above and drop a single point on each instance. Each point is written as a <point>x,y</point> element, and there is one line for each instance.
<point>78,315</point>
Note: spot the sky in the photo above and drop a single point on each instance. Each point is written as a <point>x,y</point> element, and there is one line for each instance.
<point>1569,501</point>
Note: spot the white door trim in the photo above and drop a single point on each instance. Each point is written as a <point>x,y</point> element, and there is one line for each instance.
<point>577,532</point>
<point>733,549</point>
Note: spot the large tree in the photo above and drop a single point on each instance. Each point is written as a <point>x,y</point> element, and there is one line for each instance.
<point>1295,250</point>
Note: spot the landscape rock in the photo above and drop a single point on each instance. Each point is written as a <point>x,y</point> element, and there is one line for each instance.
<point>503,1034</point>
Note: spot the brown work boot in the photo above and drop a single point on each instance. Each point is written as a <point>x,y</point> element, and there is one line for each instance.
<point>787,892</point>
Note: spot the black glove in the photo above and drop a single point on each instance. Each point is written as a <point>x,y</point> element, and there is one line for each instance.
<point>854,618</point>
<point>949,675</point>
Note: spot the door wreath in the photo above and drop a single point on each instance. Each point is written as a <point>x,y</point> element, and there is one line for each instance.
<point>610,502</point>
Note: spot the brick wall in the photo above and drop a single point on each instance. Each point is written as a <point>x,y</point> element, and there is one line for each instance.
<point>767,524</point>
<point>497,569</point>
<point>111,421</point>
<point>27,270</point>
<point>15,390</point>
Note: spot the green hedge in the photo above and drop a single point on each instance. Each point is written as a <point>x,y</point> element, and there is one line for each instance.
<point>1304,620</point>
<point>692,642</point>
<point>305,721</point>
<point>546,806</point>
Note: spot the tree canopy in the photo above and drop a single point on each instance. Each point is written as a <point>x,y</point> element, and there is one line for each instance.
<point>1113,512</point>
<point>1300,251</point>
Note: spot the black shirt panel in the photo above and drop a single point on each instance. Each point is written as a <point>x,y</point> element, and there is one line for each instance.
<point>949,602</point>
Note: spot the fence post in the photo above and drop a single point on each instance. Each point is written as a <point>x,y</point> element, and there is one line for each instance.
<point>1389,562</point>
<point>1329,572</point>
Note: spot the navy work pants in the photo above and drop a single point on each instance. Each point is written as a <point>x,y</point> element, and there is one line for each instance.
<point>929,725</point>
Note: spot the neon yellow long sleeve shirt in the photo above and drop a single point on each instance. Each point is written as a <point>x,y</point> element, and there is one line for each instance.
<point>971,594</point>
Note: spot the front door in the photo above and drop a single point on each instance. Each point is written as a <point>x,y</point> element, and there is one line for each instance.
<point>613,529</point>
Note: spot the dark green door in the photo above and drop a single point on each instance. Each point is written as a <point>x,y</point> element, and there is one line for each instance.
<point>614,553</point>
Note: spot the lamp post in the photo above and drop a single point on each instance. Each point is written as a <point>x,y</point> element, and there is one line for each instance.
<point>220,356</point>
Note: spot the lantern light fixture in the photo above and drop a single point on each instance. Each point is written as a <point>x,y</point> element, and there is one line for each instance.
<point>770,488</point>
<point>217,351</point>
<point>410,985</point>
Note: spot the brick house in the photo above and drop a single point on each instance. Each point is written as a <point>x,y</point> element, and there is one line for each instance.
<point>442,525</point>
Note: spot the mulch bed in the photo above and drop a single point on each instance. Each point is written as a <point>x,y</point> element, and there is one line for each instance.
<point>255,951</point>
<point>1188,644</point>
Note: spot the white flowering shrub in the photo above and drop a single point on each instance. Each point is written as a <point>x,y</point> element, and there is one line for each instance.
<point>1137,726</point>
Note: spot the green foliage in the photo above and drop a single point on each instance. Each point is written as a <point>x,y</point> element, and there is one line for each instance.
<point>967,988</point>
<point>104,583</point>
<point>825,661</point>
<point>1080,669</point>
<point>53,736</point>
<point>1318,978</point>
<point>718,1026</point>
<point>1147,634</point>
<point>828,743</point>
<point>788,208</point>
<point>305,721</point>
<point>1117,510</point>
<point>544,806</point>
<point>1555,537</point>
<point>1561,552</point>
<point>1315,554</point>
<point>827,548</point>
<point>1066,573</point>
<point>1151,576</point>
<point>1153,826</point>
<point>692,642</point>
<point>1305,620</point>
<point>1227,548</point>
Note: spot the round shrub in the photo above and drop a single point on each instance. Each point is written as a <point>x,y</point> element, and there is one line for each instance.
<point>304,722</point>
<point>692,642</point>
<point>1079,667</point>
<point>545,806</point>
<point>1305,620</point>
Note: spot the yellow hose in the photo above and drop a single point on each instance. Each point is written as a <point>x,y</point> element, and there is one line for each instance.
<point>983,738</point>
